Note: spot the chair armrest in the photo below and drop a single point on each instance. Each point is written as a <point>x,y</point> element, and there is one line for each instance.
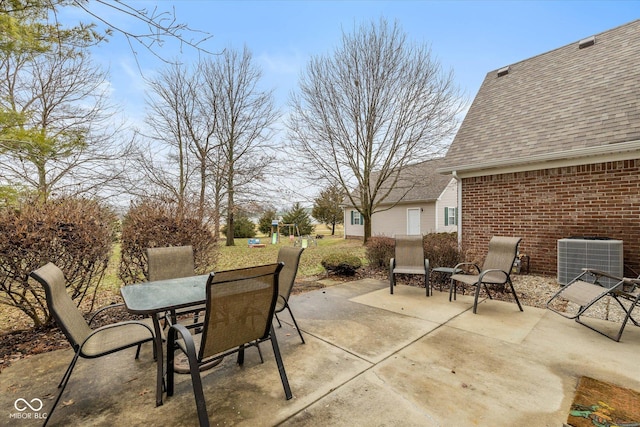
<point>103,309</point>
<point>492,270</point>
<point>117,325</point>
<point>189,344</point>
<point>467,264</point>
<point>600,273</point>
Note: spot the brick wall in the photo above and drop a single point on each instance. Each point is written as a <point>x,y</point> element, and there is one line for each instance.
<point>542,206</point>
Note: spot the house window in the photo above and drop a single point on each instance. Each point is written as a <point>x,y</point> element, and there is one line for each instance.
<point>450,216</point>
<point>356,218</point>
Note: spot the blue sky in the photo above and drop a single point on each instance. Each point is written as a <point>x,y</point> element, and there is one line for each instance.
<point>469,37</point>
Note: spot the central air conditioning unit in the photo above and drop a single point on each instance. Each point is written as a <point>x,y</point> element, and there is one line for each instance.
<point>576,253</point>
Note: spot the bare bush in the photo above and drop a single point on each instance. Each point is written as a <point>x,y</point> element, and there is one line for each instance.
<point>379,250</point>
<point>441,249</point>
<point>154,223</point>
<point>75,234</point>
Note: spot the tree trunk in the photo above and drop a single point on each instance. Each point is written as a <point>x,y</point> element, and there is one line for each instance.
<point>230,209</point>
<point>367,228</point>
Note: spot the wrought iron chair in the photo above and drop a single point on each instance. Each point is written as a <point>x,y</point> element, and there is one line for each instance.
<point>495,271</point>
<point>587,289</point>
<point>86,342</point>
<point>290,257</point>
<point>409,259</point>
<point>240,307</point>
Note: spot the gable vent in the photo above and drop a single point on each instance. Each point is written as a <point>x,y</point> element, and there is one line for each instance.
<point>504,71</point>
<point>589,41</point>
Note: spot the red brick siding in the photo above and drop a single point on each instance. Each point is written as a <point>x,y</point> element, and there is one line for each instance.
<point>542,206</point>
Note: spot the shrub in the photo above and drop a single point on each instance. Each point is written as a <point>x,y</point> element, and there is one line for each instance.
<point>243,228</point>
<point>379,251</point>
<point>157,223</point>
<point>441,249</point>
<point>341,264</point>
<point>75,234</point>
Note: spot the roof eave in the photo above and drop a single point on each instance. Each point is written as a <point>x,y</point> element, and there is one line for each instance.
<point>610,152</point>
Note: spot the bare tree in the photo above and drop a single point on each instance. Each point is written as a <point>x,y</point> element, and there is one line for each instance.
<point>34,25</point>
<point>376,104</point>
<point>180,118</point>
<point>170,106</point>
<point>211,123</point>
<point>243,116</point>
<point>60,134</point>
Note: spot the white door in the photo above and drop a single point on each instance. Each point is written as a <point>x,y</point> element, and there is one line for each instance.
<point>413,221</point>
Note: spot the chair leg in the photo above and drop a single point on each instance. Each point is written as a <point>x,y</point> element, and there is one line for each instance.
<point>392,279</point>
<point>281,370</point>
<point>295,323</point>
<point>426,284</point>
<point>198,393</point>
<point>279,324</point>
<point>475,299</point>
<point>628,316</point>
<point>171,348</point>
<point>241,355</point>
<point>259,351</point>
<point>513,291</point>
<point>452,289</point>
<point>486,288</point>
<point>63,385</point>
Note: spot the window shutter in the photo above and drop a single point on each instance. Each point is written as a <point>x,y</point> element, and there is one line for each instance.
<point>446,216</point>
<point>456,216</point>
<point>351,217</point>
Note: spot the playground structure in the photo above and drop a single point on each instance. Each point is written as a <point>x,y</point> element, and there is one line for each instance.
<point>294,235</point>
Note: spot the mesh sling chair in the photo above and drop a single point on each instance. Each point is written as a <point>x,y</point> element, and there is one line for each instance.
<point>86,342</point>
<point>171,263</point>
<point>240,307</point>
<point>496,269</point>
<point>587,289</point>
<point>408,259</point>
<point>290,256</point>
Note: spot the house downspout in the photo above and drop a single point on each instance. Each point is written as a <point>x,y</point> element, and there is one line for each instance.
<point>459,188</point>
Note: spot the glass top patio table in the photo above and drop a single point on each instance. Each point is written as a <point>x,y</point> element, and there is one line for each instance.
<point>152,298</point>
<point>163,295</point>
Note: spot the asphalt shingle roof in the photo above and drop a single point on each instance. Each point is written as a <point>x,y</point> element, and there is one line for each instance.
<point>561,101</point>
<point>419,182</point>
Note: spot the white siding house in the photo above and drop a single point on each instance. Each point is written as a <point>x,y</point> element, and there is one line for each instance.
<point>425,202</point>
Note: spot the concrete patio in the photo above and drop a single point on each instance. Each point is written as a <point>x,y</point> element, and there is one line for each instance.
<point>371,359</point>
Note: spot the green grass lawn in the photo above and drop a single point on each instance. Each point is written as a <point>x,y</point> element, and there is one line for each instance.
<point>241,255</point>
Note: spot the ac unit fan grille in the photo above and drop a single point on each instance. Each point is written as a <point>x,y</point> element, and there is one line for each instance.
<point>576,254</point>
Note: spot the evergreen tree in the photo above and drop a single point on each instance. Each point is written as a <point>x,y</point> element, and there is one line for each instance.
<point>298,216</point>
<point>242,227</point>
<point>327,209</point>
<point>265,221</point>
